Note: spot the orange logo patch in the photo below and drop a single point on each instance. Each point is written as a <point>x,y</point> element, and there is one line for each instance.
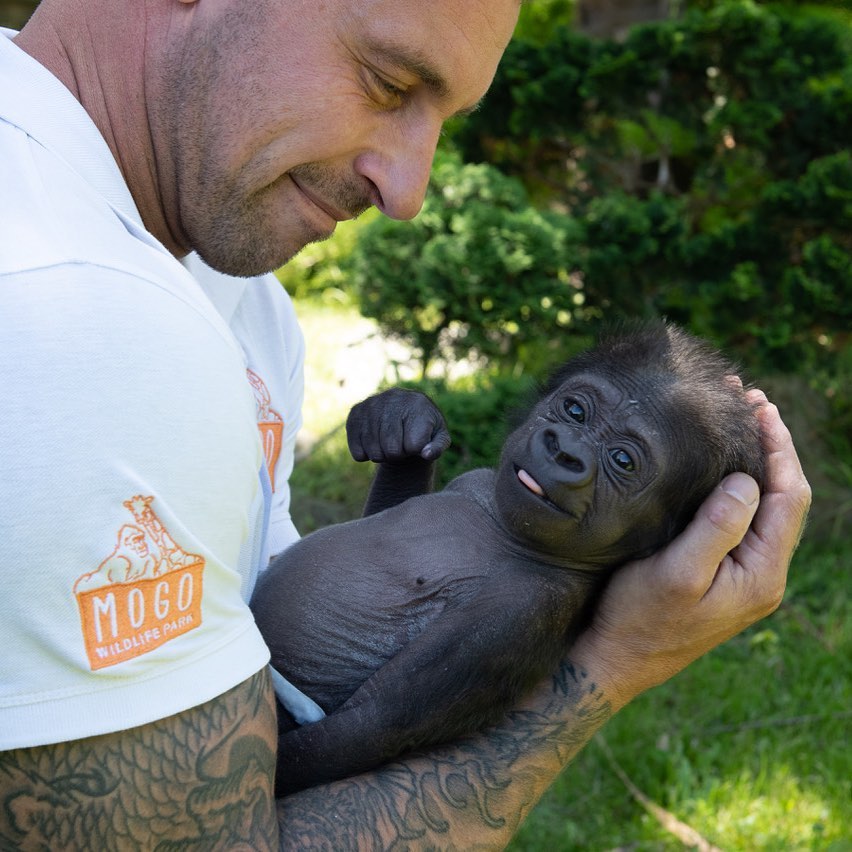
<point>269,422</point>
<point>146,592</point>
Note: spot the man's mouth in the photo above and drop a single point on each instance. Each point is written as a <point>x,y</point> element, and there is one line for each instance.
<point>327,208</point>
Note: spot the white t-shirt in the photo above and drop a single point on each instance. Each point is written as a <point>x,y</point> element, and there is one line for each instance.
<point>132,474</point>
<point>262,318</point>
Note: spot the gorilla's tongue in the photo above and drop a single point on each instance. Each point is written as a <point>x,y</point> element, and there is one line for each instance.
<point>530,482</point>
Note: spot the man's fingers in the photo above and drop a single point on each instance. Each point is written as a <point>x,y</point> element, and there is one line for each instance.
<point>787,495</point>
<point>763,557</point>
<point>719,525</point>
<point>784,471</point>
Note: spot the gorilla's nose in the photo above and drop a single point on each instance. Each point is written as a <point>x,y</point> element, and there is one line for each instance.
<point>575,459</point>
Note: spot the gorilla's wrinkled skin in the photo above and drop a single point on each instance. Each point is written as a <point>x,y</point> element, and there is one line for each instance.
<point>427,618</point>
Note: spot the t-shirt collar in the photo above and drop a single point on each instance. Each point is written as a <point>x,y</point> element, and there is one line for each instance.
<point>34,100</point>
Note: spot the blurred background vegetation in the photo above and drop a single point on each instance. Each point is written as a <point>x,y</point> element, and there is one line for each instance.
<point>696,167</point>
<point>635,157</point>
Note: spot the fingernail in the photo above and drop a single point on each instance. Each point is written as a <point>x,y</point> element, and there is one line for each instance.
<point>742,488</point>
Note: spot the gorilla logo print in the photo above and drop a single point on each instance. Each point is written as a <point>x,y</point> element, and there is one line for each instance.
<point>146,592</point>
<point>269,423</point>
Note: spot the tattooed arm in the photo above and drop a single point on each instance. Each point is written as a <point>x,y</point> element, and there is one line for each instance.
<point>199,780</point>
<point>656,616</point>
<point>470,795</point>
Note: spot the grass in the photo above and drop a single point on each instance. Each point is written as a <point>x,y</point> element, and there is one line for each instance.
<point>750,746</point>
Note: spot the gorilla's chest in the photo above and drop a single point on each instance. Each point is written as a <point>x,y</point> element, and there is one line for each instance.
<point>354,594</point>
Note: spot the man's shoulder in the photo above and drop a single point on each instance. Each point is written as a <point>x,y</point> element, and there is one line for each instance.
<point>52,215</point>
<point>58,231</point>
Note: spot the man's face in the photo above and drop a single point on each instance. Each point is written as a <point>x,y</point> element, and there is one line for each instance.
<point>273,119</point>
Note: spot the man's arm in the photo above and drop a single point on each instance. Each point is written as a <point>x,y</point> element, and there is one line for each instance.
<point>202,779</point>
<point>656,616</point>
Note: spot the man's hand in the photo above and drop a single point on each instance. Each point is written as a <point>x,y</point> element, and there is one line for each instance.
<point>394,425</point>
<point>727,570</point>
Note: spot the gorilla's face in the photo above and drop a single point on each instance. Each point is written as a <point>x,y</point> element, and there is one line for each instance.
<point>586,475</point>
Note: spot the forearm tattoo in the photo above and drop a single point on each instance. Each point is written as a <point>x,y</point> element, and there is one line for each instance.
<point>471,795</point>
<point>201,780</point>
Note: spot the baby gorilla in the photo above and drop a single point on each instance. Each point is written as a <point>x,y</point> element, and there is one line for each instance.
<point>430,616</point>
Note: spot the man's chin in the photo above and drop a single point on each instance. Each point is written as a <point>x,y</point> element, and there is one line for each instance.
<point>256,258</point>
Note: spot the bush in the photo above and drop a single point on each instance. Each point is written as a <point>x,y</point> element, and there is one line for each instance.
<point>706,160</point>
<point>319,272</point>
<point>479,272</point>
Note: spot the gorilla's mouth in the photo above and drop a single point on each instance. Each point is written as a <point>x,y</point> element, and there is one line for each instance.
<point>531,484</point>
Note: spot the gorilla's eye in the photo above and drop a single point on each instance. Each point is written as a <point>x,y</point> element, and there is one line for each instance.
<point>622,459</point>
<point>574,410</point>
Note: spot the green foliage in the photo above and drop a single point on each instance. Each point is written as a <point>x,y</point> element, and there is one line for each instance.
<point>479,270</point>
<point>706,162</point>
<point>318,272</point>
<point>537,19</point>
<point>629,252</point>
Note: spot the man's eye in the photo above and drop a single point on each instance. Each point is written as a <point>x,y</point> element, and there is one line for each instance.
<point>622,459</point>
<point>390,93</point>
<point>574,410</point>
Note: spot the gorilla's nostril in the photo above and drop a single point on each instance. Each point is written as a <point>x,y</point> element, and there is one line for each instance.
<point>571,462</point>
<point>558,455</point>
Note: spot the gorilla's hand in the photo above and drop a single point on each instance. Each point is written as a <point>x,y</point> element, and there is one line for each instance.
<point>395,425</point>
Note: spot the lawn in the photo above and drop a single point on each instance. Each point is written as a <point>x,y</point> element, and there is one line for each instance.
<point>749,749</point>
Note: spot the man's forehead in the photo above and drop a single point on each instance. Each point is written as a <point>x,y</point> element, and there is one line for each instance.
<point>446,43</point>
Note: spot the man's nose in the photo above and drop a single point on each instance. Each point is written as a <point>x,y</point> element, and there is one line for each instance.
<point>399,167</point>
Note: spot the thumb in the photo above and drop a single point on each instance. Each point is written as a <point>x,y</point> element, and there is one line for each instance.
<point>438,443</point>
<point>719,525</point>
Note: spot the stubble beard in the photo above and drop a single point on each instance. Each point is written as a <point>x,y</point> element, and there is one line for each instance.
<point>237,235</point>
<point>234,226</point>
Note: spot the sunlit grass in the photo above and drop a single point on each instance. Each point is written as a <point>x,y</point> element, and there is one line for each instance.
<point>770,809</point>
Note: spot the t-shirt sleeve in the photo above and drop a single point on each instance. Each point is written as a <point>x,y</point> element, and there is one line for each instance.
<point>129,460</point>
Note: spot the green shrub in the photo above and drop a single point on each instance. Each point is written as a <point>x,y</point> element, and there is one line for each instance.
<point>706,160</point>
<point>319,272</point>
<point>478,271</point>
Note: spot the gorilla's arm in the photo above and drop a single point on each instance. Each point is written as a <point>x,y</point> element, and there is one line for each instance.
<point>404,433</point>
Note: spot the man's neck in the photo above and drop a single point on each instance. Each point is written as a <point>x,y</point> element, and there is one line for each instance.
<point>98,52</point>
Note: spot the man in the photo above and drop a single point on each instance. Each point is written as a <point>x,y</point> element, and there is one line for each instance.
<point>137,712</point>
